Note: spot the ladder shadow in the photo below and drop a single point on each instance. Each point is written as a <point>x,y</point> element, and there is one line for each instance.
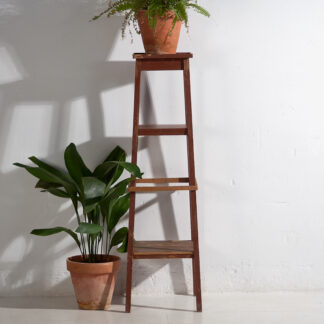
<point>57,64</point>
<point>164,201</point>
<point>61,63</point>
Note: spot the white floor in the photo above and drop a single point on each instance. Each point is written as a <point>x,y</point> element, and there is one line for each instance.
<point>228,308</point>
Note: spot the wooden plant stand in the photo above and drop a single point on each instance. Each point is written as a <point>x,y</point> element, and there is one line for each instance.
<point>164,249</point>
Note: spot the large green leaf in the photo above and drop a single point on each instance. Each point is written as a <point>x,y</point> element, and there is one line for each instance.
<point>75,206</point>
<point>103,169</point>
<point>56,171</point>
<point>55,230</point>
<point>123,247</point>
<point>105,208</point>
<point>118,190</point>
<point>90,204</point>
<point>88,208</point>
<point>41,174</point>
<point>93,187</point>
<point>96,215</point>
<point>119,237</point>
<point>86,228</point>
<point>58,192</point>
<point>47,177</point>
<point>66,180</point>
<point>132,169</point>
<point>45,185</point>
<point>117,154</point>
<point>75,165</point>
<point>118,210</point>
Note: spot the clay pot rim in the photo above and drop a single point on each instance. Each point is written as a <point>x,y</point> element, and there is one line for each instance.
<point>168,15</point>
<point>95,268</point>
<point>75,258</point>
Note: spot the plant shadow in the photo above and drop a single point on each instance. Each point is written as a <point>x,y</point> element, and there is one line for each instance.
<point>63,58</point>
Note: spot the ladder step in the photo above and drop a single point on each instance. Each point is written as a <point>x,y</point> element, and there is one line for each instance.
<point>157,130</point>
<point>133,187</point>
<point>163,249</point>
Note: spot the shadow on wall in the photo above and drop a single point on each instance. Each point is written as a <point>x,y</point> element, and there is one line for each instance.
<point>58,57</point>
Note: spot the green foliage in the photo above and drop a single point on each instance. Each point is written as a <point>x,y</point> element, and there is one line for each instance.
<point>119,237</point>
<point>55,230</point>
<point>154,9</point>
<point>87,228</point>
<point>104,200</point>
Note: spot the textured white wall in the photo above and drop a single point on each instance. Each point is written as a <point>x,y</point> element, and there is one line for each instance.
<point>257,87</point>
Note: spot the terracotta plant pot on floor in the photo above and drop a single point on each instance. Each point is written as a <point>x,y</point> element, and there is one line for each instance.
<point>162,39</point>
<point>93,283</point>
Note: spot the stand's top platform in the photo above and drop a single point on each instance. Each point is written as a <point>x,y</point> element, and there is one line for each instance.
<point>144,56</point>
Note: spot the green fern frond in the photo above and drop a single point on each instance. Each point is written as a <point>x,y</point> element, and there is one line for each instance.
<point>199,9</point>
<point>154,8</point>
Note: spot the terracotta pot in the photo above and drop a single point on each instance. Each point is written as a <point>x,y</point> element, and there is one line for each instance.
<point>162,39</point>
<point>93,283</point>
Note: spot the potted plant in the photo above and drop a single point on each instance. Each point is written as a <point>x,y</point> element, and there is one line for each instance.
<point>158,21</point>
<point>104,201</point>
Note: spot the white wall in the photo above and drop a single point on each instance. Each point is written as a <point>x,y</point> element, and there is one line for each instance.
<point>257,87</point>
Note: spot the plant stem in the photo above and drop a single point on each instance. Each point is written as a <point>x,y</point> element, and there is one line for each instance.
<point>102,239</point>
<point>109,245</point>
<point>106,240</point>
<point>82,248</point>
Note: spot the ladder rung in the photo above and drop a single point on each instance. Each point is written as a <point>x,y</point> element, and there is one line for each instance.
<point>156,130</point>
<point>163,249</point>
<point>134,188</point>
<point>161,65</point>
<point>163,180</point>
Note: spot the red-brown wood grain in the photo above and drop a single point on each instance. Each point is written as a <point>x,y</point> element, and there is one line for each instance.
<point>164,249</point>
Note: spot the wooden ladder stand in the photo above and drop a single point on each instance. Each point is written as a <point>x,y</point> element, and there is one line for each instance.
<point>164,249</point>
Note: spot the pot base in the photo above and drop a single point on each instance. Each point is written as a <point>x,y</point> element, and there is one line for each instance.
<point>93,307</point>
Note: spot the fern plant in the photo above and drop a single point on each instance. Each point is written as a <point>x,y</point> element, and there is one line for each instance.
<point>154,9</point>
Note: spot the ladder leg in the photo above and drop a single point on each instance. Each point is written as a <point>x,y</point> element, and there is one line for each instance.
<point>130,252</point>
<point>132,195</point>
<point>196,259</point>
<point>193,277</point>
<point>192,194</point>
